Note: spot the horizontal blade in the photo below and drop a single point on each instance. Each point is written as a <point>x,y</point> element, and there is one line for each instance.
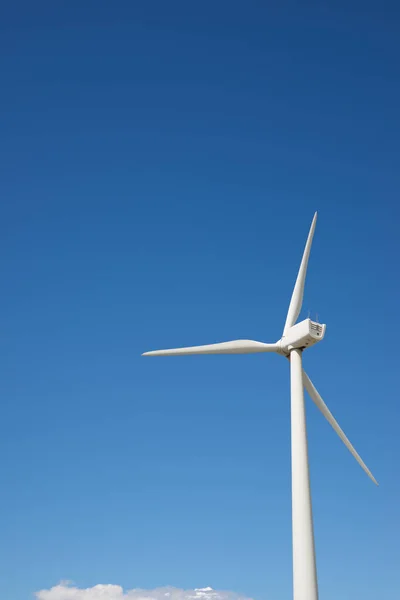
<point>316,398</point>
<point>298,291</point>
<point>234,347</point>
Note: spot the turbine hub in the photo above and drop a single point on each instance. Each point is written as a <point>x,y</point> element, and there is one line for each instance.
<point>301,336</point>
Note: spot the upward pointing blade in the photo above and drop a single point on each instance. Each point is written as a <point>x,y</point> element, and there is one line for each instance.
<point>234,347</point>
<point>298,291</point>
<point>316,398</point>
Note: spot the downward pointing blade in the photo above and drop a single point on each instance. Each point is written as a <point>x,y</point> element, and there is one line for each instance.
<point>298,291</point>
<point>316,398</point>
<point>233,347</point>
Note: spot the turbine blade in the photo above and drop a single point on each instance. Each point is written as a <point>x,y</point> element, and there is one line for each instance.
<point>234,347</point>
<point>298,291</point>
<point>316,398</point>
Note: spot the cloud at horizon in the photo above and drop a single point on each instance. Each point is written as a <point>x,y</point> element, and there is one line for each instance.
<point>67,591</point>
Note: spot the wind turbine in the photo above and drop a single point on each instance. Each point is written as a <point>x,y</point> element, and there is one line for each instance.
<point>295,339</point>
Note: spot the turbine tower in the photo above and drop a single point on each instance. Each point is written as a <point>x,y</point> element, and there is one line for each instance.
<point>295,339</point>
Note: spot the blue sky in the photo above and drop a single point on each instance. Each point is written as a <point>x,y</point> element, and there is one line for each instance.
<point>161,163</point>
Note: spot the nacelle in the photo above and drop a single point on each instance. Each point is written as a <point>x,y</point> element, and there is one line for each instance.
<point>302,335</point>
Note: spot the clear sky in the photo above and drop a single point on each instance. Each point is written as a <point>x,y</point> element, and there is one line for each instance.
<point>160,166</point>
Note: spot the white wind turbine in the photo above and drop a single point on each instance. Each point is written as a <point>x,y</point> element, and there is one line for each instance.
<point>295,339</point>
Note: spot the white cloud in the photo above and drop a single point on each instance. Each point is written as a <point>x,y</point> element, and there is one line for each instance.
<point>66,591</point>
